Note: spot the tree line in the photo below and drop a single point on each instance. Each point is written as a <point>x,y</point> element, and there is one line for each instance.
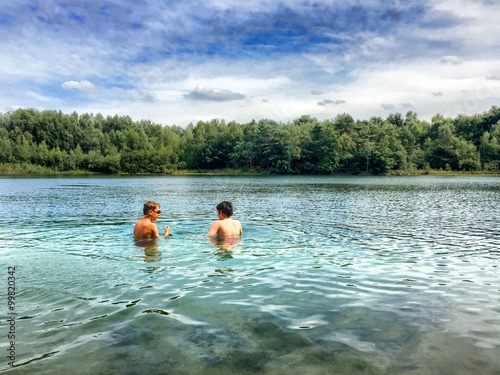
<point>117,144</point>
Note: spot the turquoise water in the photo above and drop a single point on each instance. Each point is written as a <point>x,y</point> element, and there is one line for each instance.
<point>333,275</point>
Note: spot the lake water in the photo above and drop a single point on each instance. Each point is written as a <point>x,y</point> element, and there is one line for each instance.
<point>333,275</point>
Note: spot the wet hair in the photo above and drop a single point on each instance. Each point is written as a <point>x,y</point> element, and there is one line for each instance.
<point>149,205</point>
<point>225,207</point>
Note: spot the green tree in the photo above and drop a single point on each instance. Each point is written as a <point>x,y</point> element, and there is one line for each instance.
<point>117,143</point>
<point>420,129</point>
<point>76,158</point>
<point>472,128</point>
<point>23,119</point>
<point>22,149</point>
<point>320,155</point>
<point>389,153</point>
<point>246,149</point>
<point>90,133</point>
<point>467,155</point>
<point>440,150</point>
<point>41,155</point>
<point>346,150</point>
<point>6,155</point>
<point>489,148</point>
<point>56,158</point>
<point>272,154</point>
<point>344,124</point>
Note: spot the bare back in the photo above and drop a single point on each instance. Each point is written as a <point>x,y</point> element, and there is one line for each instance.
<point>226,228</point>
<point>144,229</point>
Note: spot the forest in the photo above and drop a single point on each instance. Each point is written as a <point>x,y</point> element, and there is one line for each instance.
<point>32,141</point>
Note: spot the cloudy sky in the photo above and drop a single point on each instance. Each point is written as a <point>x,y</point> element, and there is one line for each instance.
<point>175,62</point>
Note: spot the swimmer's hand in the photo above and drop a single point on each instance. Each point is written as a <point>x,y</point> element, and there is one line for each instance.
<point>167,230</point>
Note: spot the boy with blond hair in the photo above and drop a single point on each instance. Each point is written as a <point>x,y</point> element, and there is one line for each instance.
<point>146,228</point>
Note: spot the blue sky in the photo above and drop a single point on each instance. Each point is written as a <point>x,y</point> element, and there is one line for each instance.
<point>176,62</point>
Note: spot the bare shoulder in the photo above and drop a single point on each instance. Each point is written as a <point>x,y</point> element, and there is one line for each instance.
<point>214,229</point>
<point>238,223</point>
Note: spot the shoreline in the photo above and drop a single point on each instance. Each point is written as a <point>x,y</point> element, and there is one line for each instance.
<point>43,172</point>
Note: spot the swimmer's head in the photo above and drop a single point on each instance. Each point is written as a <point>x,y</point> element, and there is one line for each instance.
<point>226,208</point>
<point>150,205</point>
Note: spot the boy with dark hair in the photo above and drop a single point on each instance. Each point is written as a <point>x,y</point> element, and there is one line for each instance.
<point>225,227</point>
<point>146,228</point>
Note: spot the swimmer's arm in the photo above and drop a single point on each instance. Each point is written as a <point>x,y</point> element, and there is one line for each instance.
<point>154,231</point>
<point>168,231</point>
<point>156,234</point>
<point>213,230</point>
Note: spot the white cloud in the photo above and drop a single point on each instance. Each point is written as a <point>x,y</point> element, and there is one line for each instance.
<point>13,107</point>
<point>474,34</point>
<point>153,60</point>
<point>79,85</point>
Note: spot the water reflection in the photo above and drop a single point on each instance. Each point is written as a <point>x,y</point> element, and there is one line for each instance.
<point>151,252</point>
<point>225,244</point>
<point>223,254</point>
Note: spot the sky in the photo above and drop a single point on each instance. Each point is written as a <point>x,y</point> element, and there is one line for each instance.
<point>180,62</point>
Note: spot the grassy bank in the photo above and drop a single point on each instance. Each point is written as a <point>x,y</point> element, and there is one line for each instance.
<point>31,169</point>
<point>440,172</point>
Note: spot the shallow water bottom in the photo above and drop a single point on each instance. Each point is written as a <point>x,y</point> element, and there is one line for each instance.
<point>355,341</point>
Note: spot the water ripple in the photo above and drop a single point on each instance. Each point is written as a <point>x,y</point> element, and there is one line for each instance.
<point>382,275</point>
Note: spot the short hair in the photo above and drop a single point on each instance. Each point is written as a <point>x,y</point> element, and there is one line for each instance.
<point>225,207</point>
<point>149,205</point>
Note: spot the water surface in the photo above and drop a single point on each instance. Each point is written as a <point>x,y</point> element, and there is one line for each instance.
<point>351,275</point>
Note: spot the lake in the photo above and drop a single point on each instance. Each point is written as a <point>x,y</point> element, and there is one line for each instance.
<point>333,275</point>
